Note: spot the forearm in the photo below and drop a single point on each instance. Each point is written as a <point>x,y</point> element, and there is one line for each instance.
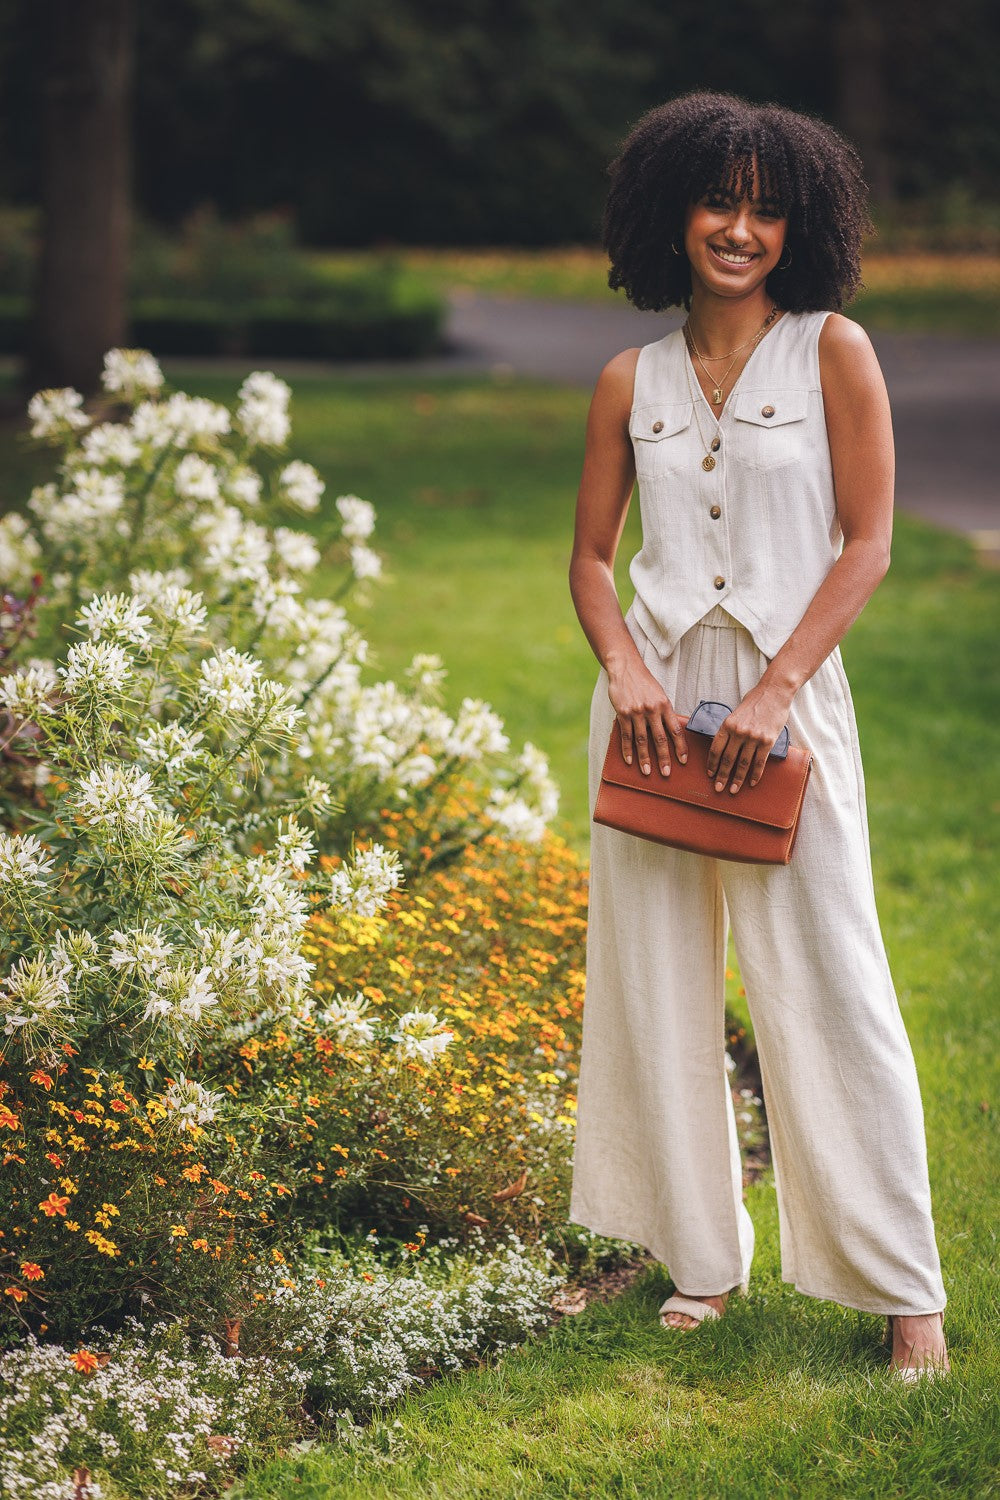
<point>834,607</point>
<point>595,598</point>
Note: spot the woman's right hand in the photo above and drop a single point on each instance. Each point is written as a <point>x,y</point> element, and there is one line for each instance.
<point>646,718</point>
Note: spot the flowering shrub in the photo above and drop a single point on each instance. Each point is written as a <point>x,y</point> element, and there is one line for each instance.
<point>163,809</point>
<point>155,1410</point>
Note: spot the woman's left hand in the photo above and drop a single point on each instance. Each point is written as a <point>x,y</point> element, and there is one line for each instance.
<point>746,737</point>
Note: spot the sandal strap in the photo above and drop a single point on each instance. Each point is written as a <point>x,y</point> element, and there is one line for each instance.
<point>694,1309</point>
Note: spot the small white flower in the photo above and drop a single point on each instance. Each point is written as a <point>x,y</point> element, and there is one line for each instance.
<point>170,745</point>
<point>296,550</point>
<point>20,551</point>
<point>131,373</point>
<point>110,443</point>
<point>357,518</point>
<point>229,680</point>
<point>190,1103</point>
<point>140,950</point>
<point>27,693</point>
<point>115,795</point>
<point>96,667</point>
<point>33,994</point>
<point>347,1020</point>
<point>262,414</point>
<point>295,845</point>
<point>477,731</point>
<point>427,672</point>
<point>417,1035</point>
<point>24,866</point>
<point>364,562</point>
<point>244,484</point>
<point>301,485</point>
<point>195,479</point>
<point>55,413</point>
<point>362,884</point>
<point>117,616</point>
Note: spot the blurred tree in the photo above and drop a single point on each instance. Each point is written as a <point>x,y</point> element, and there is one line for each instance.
<point>80,303</point>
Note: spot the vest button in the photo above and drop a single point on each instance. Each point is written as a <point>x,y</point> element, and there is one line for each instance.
<point>657,426</point>
<point>715,512</point>
<point>767,411</point>
<point>720,582</point>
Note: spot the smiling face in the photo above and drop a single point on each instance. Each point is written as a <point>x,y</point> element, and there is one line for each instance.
<point>734,236</point>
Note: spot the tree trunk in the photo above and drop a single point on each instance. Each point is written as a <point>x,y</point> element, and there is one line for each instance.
<point>80,297</point>
<point>861,93</point>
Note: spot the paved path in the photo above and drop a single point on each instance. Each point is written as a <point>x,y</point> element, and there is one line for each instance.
<point>945,392</point>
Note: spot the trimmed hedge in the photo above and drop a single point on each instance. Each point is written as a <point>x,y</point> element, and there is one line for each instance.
<point>358,325</point>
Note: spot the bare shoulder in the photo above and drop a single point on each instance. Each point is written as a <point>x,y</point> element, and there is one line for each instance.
<point>615,386</point>
<point>847,360</point>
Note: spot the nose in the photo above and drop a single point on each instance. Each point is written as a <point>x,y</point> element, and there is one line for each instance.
<point>739,225</point>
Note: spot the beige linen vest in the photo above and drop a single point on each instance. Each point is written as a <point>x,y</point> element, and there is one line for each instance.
<point>759,531</point>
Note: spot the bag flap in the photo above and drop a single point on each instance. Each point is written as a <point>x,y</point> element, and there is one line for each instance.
<point>773,802</point>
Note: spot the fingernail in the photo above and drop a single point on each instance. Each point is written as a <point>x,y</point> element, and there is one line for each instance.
<point>719,785</point>
<point>628,760</point>
<point>683,759</point>
<point>736,786</point>
<point>665,770</point>
<point>645,768</point>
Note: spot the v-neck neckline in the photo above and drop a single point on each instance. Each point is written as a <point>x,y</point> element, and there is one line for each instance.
<point>693,375</point>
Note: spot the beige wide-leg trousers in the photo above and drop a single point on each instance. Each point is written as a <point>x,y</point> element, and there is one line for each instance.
<point>657,1158</point>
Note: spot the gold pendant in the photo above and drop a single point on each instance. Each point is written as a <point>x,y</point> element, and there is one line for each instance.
<point>716,397</point>
<point>708,463</point>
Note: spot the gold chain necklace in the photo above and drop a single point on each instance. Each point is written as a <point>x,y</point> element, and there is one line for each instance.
<point>708,462</point>
<point>717,385</point>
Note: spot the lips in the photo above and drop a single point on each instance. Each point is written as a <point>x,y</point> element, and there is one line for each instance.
<point>733,257</point>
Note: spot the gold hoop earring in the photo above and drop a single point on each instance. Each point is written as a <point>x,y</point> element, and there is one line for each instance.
<point>779,266</point>
<point>674,248</point>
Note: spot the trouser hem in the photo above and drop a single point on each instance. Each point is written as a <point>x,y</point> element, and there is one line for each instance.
<point>880,1310</point>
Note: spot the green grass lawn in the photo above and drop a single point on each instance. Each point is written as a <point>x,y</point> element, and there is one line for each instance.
<point>475,484</point>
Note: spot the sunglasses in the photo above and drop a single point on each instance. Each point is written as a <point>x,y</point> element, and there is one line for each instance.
<point>707,719</point>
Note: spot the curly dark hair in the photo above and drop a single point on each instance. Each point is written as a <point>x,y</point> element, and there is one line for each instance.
<point>703,141</point>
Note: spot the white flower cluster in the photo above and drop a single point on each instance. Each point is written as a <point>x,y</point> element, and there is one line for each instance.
<point>34,998</point>
<point>348,1021</point>
<point>28,693</point>
<point>418,1035</point>
<point>525,809</point>
<point>301,485</point>
<point>131,373</point>
<point>190,1104</point>
<point>56,413</point>
<point>362,883</point>
<point>20,552</point>
<point>262,414</point>
<point>24,866</point>
<point>153,1413</point>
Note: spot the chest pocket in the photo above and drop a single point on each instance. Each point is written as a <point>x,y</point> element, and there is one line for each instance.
<point>660,437</point>
<point>770,427</point>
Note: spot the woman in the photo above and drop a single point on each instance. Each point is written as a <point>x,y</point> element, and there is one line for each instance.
<point>761,439</point>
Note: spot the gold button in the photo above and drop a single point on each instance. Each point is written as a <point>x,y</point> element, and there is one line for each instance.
<point>767,411</point>
<point>657,426</point>
<point>720,583</point>
<point>715,513</point>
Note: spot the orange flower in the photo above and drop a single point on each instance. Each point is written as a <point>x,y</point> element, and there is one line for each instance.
<point>324,1046</point>
<point>119,1106</point>
<point>7,1118</point>
<point>16,1292</point>
<point>30,1271</point>
<point>53,1205</point>
<point>38,1076</point>
<point>85,1362</point>
<point>56,1161</point>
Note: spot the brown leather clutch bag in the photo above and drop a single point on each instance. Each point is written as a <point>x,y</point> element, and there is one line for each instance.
<point>757,825</point>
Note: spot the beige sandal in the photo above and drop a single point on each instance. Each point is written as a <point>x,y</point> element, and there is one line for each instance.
<point>700,1311</point>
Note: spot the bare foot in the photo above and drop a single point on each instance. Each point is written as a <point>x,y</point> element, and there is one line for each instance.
<point>917,1342</point>
<point>682,1320</point>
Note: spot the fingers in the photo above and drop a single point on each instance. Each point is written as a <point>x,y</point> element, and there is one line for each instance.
<point>739,759</point>
<point>649,737</point>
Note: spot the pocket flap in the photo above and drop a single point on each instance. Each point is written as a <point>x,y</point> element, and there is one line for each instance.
<point>771,409</point>
<point>651,423</point>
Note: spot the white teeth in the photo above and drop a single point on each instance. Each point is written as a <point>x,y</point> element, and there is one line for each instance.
<point>736,259</point>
